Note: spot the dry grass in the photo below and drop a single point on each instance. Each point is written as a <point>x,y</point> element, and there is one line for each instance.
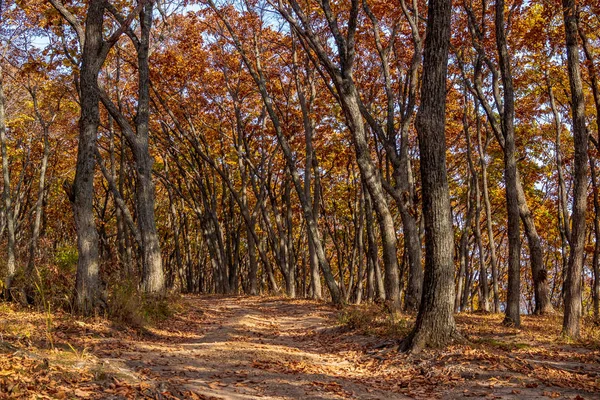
<point>52,355</point>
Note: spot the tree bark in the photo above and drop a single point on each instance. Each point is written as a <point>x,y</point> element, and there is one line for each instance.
<point>513,311</point>
<point>153,279</point>
<point>435,325</point>
<point>11,266</point>
<point>573,309</point>
<point>87,283</point>
<point>596,255</point>
<point>35,234</point>
<point>484,301</point>
<point>488,215</point>
<point>463,253</point>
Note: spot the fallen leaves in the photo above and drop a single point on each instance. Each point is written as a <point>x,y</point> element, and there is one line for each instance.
<point>258,346</point>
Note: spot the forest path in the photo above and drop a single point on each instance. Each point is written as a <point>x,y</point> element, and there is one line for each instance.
<point>275,348</point>
<point>246,348</point>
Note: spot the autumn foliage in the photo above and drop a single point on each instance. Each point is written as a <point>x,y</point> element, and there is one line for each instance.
<point>318,150</point>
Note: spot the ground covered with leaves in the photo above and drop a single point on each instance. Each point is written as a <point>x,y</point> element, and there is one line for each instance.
<point>242,348</point>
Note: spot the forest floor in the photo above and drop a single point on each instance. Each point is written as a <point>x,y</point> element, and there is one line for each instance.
<point>274,348</point>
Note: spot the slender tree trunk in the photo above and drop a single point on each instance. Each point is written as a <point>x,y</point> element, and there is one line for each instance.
<point>360,248</point>
<point>463,253</point>
<point>488,216</point>
<point>373,183</point>
<point>378,284</point>
<point>256,72</point>
<point>484,303</point>
<point>435,324</point>
<point>573,311</point>
<point>11,266</point>
<point>563,208</point>
<point>252,262</point>
<point>593,74</point>
<point>41,187</point>
<point>596,256</point>
<point>539,273</point>
<point>412,238</point>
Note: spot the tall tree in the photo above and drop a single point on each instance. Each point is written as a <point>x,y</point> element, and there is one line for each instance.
<point>513,297</point>
<point>435,325</point>
<point>573,311</point>
<point>95,49</point>
<point>153,280</point>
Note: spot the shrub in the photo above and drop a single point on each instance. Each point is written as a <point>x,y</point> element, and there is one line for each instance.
<point>372,319</point>
<point>128,307</point>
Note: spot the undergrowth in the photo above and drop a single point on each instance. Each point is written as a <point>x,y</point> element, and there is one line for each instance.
<point>374,319</point>
<point>126,306</point>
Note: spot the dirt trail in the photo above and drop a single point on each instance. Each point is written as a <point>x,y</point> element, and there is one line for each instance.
<point>244,348</point>
<point>270,348</point>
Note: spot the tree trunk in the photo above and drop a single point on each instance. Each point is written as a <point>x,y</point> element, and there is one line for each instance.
<point>596,256</point>
<point>513,311</point>
<point>463,253</point>
<point>563,208</point>
<point>11,267</point>
<point>484,301</point>
<point>255,69</point>
<point>488,216</point>
<point>35,234</point>
<point>573,311</point>
<point>377,279</point>
<point>540,276</point>
<point>372,180</point>
<point>87,283</point>
<point>435,324</point>
<point>153,279</point>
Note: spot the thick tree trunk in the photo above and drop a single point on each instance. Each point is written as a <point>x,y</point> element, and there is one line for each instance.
<point>153,279</point>
<point>87,283</point>
<point>435,324</point>
<point>573,311</point>
<point>513,311</point>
